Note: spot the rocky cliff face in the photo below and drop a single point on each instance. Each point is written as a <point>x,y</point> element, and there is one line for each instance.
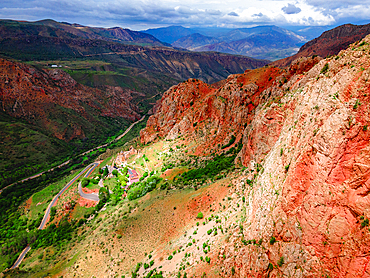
<point>307,157</point>
<point>53,100</point>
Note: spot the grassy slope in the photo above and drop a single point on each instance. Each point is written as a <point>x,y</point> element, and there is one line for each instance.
<point>153,224</point>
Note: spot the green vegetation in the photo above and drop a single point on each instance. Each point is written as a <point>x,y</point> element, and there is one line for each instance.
<point>54,235</point>
<point>199,216</point>
<point>140,189</point>
<point>231,141</point>
<point>212,168</point>
<point>365,223</point>
<point>29,149</point>
<point>325,68</point>
<point>280,262</point>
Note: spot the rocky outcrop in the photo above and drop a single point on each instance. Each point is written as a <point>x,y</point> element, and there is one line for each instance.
<point>307,152</point>
<point>211,114</point>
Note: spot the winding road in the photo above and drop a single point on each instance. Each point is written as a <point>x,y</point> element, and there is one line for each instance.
<point>88,169</point>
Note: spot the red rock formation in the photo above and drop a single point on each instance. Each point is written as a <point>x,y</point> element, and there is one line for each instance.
<point>36,96</point>
<point>307,128</point>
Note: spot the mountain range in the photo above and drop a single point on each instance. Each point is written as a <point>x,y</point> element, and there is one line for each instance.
<point>263,42</point>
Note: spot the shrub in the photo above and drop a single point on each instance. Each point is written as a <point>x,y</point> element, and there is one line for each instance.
<point>325,68</point>
<point>231,141</point>
<point>365,223</point>
<point>208,260</point>
<point>280,261</point>
<point>287,168</point>
<point>170,257</point>
<point>272,240</point>
<point>232,270</point>
<point>85,182</point>
<point>200,215</point>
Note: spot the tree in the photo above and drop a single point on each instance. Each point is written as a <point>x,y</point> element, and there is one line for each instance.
<point>105,172</point>
<point>103,194</point>
<point>85,182</point>
<point>115,172</point>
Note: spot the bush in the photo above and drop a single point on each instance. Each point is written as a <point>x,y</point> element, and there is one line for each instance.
<point>140,189</point>
<point>85,182</point>
<point>365,223</point>
<point>270,267</point>
<point>170,257</point>
<point>325,68</point>
<point>272,240</point>
<point>208,260</point>
<point>200,215</point>
<point>231,141</point>
<point>280,261</point>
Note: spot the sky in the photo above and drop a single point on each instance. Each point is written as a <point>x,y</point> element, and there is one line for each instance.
<point>144,14</point>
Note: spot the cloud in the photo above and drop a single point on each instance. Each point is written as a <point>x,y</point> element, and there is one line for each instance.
<point>291,9</point>
<point>143,14</point>
<point>233,14</point>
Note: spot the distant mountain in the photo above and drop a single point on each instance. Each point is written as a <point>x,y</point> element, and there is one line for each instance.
<point>329,43</point>
<point>310,32</point>
<point>170,34</point>
<point>51,28</point>
<point>193,41</point>
<point>269,44</point>
<point>243,33</point>
<point>262,42</point>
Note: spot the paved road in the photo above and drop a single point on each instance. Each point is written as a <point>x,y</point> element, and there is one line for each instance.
<point>64,163</point>
<point>92,196</point>
<point>89,170</point>
<point>90,167</point>
<point>21,257</point>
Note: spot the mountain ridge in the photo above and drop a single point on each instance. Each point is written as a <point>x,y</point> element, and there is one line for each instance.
<point>329,43</point>
<point>304,138</point>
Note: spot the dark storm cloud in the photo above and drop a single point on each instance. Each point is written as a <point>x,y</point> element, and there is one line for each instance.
<point>291,9</point>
